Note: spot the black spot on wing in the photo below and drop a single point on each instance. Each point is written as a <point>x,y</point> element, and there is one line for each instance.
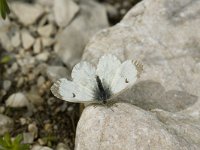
<point>73,95</point>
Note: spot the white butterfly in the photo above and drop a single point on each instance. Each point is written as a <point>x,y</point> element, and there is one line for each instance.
<point>92,85</point>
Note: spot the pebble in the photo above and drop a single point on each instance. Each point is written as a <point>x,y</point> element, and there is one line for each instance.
<point>48,127</point>
<point>6,124</point>
<point>42,56</point>
<point>38,147</point>
<point>2,109</point>
<point>7,84</point>
<point>28,137</point>
<point>26,13</point>
<point>40,81</point>
<point>20,82</point>
<point>14,67</point>
<point>37,47</point>
<point>41,141</point>
<point>46,42</point>
<point>23,121</point>
<point>27,40</point>
<point>17,100</point>
<point>35,99</point>
<point>64,11</point>
<point>32,128</point>
<point>15,40</point>
<point>51,101</point>
<point>62,146</point>
<point>46,30</point>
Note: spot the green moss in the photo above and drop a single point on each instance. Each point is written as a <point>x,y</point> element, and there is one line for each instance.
<point>6,143</point>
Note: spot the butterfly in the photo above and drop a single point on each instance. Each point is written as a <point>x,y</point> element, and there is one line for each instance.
<point>97,85</point>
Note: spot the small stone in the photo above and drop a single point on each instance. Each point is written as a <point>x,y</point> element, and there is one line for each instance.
<point>15,40</point>
<point>46,148</point>
<point>28,138</point>
<point>20,82</point>
<point>46,42</point>
<point>17,100</point>
<point>31,76</point>
<point>27,13</point>
<point>51,101</point>
<point>56,72</point>
<point>14,67</point>
<point>38,147</point>
<point>40,81</point>
<point>42,56</point>
<point>62,146</point>
<point>32,128</point>
<point>48,127</point>
<point>27,39</point>
<point>6,124</point>
<point>64,11</point>
<point>5,29</point>
<point>70,109</point>
<point>23,121</point>
<point>7,84</point>
<point>35,99</point>
<point>37,47</point>
<point>41,141</point>
<point>47,30</point>
<point>2,109</point>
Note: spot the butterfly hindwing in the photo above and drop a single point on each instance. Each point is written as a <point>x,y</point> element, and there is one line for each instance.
<point>70,91</point>
<point>125,77</point>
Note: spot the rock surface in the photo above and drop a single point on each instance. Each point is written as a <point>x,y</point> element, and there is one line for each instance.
<point>72,40</point>
<point>6,124</point>
<point>64,11</point>
<point>162,35</point>
<point>124,126</point>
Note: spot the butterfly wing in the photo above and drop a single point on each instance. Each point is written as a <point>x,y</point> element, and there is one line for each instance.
<point>84,74</point>
<point>71,92</point>
<point>125,77</point>
<point>107,67</point>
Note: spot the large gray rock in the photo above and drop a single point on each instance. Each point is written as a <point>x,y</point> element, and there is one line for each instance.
<point>164,36</point>
<point>72,40</point>
<point>124,126</point>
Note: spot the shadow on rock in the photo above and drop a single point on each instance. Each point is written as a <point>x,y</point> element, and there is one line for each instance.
<point>151,95</point>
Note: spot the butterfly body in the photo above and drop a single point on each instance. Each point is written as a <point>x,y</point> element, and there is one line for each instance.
<point>90,85</point>
<point>102,92</point>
